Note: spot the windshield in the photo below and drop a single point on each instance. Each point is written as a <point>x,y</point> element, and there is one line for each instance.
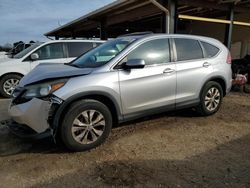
<point>102,54</point>
<point>27,50</point>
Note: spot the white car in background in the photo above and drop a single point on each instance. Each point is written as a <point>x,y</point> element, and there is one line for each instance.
<point>3,55</point>
<point>58,51</point>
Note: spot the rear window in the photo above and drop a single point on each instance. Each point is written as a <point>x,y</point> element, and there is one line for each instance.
<point>188,49</point>
<point>210,49</point>
<point>76,49</point>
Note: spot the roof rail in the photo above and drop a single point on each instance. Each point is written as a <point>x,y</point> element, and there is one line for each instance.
<point>136,34</point>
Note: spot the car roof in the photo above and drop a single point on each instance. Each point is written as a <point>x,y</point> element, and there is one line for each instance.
<point>153,35</point>
<point>74,40</point>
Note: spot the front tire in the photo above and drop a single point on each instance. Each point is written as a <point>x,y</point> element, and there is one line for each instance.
<point>210,99</point>
<point>86,125</point>
<point>8,84</point>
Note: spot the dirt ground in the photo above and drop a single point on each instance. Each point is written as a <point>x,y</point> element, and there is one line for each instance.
<point>174,149</point>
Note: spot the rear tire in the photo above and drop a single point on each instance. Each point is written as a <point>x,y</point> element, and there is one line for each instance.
<point>8,84</point>
<point>210,99</point>
<point>86,125</point>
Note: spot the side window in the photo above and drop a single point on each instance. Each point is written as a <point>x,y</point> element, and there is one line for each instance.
<point>152,52</point>
<point>210,49</point>
<point>76,49</point>
<point>188,49</point>
<point>51,51</point>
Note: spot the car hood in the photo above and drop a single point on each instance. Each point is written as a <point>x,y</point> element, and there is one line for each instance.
<point>49,71</point>
<point>6,60</point>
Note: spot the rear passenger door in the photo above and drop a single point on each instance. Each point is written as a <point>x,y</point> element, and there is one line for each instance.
<point>75,49</point>
<point>191,70</point>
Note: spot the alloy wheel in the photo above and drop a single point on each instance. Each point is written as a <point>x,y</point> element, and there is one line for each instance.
<point>88,126</point>
<point>212,99</point>
<point>9,85</point>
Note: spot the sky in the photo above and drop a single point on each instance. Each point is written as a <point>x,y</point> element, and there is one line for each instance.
<point>25,20</point>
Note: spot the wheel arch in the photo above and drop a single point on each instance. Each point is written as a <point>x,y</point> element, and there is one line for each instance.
<point>102,97</point>
<point>220,80</point>
<point>8,73</point>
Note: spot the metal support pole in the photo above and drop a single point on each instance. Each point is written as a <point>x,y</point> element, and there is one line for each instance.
<point>165,19</point>
<point>73,36</point>
<point>229,27</point>
<point>172,7</point>
<point>164,23</point>
<point>103,32</point>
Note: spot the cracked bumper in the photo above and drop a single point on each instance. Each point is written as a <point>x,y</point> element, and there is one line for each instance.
<point>34,114</point>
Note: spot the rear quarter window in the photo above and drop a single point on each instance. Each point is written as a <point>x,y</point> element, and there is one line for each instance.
<point>210,50</point>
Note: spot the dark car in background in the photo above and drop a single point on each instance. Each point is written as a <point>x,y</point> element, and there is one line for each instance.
<point>242,66</point>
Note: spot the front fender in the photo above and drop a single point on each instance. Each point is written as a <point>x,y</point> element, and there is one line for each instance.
<point>14,69</point>
<point>61,109</point>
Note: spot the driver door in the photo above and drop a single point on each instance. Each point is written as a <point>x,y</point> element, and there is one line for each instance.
<point>154,85</point>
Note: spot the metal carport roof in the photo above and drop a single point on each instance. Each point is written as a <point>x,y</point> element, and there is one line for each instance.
<point>119,15</point>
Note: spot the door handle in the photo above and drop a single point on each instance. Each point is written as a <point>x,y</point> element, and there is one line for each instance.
<point>168,70</point>
<point>206,64</point>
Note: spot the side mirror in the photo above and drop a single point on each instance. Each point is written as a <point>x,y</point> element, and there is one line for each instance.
<point>34,56</point>
<point>135,64</point>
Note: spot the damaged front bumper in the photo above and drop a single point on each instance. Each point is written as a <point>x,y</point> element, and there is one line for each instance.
<point>33,117</point>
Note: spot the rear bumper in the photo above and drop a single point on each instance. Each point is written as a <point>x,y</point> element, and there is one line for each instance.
<point>34,114</point>
<point>229,87</point>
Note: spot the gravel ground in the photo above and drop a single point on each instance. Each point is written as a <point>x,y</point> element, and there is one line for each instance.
<point>175,149</point>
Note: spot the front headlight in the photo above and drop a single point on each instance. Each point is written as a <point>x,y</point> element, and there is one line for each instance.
<point>42,90</point>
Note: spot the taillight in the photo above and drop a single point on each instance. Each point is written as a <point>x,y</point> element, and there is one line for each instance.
<point>229,58</point>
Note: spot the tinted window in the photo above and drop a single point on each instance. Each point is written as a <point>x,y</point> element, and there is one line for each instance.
<point>188,49</point>
<point>76,49</point>
<point>210,49</point>
<point>51,51</point>
<point>152,52</point>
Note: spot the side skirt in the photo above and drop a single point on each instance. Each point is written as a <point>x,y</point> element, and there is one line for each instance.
<point>144,113</point>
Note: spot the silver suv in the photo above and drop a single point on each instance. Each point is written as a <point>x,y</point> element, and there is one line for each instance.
<point>123,79</point>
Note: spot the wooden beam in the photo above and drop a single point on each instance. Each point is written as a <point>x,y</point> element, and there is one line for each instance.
<point>213,20</point>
